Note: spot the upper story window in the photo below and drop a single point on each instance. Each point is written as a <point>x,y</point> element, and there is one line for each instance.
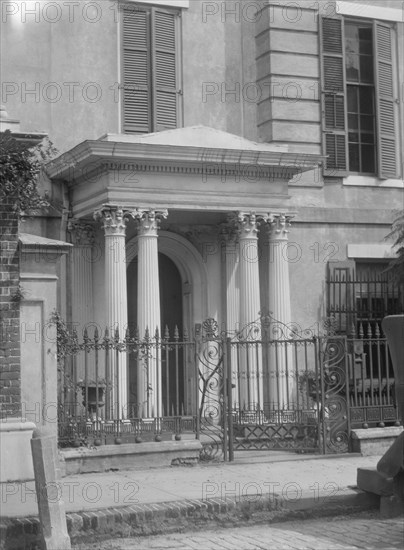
<point>361,98</point>
<point>360,107</point>
<point>150,69</point>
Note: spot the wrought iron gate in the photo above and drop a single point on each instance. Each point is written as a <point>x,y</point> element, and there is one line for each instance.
<point>307,409</point>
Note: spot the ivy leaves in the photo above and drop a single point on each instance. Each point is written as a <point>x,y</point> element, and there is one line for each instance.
<point>19,171</point>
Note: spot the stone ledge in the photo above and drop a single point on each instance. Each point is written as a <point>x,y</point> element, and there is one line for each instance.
<point>379,433</point>
<point>16,425</point>
<point>129,456</point>
<point>374,441</point>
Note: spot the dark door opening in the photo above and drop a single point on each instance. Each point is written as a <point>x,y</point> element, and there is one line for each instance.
<point>172,356</point>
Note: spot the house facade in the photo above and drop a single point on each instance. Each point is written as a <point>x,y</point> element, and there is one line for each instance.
<point>218,160</point>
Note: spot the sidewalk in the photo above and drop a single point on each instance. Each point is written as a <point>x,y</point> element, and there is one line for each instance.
<point>259,486</point>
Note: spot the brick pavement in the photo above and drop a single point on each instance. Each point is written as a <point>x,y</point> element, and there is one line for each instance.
<point>364,531</point>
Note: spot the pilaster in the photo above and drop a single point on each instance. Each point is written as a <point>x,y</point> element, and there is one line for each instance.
<point>231,292</point>
<point>82,236</point>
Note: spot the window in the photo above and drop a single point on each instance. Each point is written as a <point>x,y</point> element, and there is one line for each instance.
<point>359,98</point>
<point>150,69</point>
<point>361,293</point>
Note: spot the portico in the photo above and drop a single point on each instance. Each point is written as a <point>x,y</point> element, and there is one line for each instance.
<point>210,207</point>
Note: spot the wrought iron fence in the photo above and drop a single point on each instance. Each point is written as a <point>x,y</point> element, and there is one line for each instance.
<point>244,391</point>
<point>98,397</point>
<point>371,379</point>
<point>353,300</point>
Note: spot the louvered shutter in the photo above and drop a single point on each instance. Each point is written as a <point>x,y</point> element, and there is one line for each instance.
<point>333,96</point>
<point>136,71</point>
<point>165,78</point>
<point>385,101</point>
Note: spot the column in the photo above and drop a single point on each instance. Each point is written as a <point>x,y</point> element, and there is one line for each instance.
<point>148,313</point>
<point>114,221</point>
<point>281,371</point>
<point>230,262</point>
<point>250,360</point>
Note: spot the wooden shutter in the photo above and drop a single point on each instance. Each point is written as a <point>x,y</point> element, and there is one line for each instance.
<point>136,71</point>
<point>165,77</point>
<point>334,119</point>
<point>386,105</point>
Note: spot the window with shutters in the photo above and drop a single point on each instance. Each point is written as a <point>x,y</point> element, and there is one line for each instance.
<point>150,69</point>
<point>359,98</point>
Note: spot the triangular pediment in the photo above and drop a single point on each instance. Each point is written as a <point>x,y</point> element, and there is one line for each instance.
<point>195,136</point>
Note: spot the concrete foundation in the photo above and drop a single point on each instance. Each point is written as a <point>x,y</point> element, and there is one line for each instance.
<point>130,457</point>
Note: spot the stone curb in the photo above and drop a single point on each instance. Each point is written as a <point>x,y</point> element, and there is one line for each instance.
<point>153,519</point>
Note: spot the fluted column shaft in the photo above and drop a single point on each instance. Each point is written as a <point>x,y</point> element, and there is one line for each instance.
<point>148,314</point>
<point>281,387</point>
<point>114,223</point>
<point>250,374</point>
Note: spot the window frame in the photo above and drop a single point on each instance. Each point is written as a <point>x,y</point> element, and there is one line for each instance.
<point>344,172</point>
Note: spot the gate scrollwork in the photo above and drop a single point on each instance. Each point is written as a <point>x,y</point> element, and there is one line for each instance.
<point>335,404</point>
<point>211,375</point>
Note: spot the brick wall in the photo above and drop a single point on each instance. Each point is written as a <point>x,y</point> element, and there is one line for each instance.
<point>10,371</point>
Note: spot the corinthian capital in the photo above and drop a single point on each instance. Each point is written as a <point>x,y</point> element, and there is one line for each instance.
<point>149,220</point>
<point>278,226</point>
<point>82,232</point>
<point>247,223</point>
<point>113,219</point>
<point>228,233</point>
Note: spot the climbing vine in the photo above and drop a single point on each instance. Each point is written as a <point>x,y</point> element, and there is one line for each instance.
<point>20,168</point>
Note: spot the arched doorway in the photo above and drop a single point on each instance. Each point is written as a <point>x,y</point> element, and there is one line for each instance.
<point>172,325</point>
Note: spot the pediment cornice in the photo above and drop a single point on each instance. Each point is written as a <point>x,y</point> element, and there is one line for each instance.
<point>92,158</point>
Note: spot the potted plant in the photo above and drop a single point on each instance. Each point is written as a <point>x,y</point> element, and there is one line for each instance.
<point>308,384</point>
